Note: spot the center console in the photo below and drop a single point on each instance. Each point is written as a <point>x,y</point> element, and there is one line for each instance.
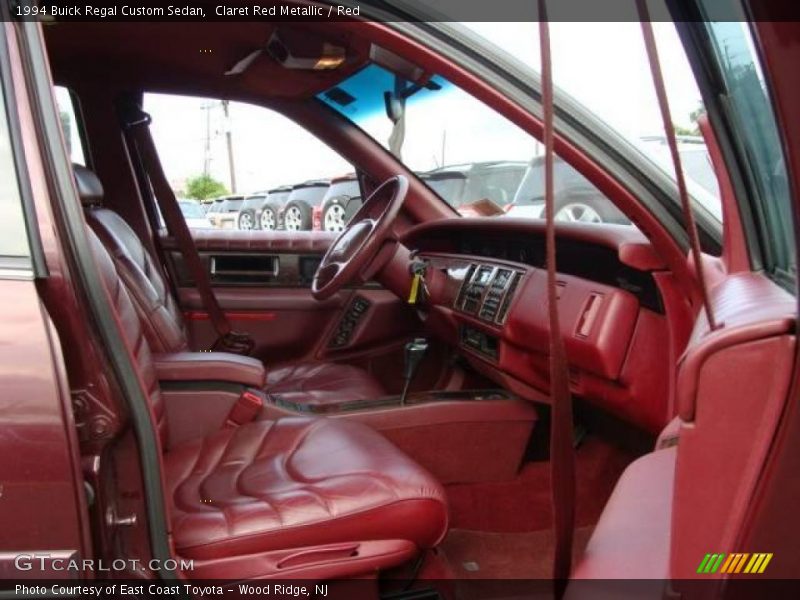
<point>347,406</point>
<point>459,436</point>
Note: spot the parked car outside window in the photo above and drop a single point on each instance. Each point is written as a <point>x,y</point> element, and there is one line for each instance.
<point>298,212</point>
<point>229,212</point>
<point>267,214</point>
<point>576,199</point>
<point>448,184</point>
<point>340,203</point>
<point>213,212</point>
<point>247,214</point>
<point>467,187</point>
<point>193,213</point>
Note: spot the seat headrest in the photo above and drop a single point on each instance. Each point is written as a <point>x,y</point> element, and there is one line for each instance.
<point>89,187</point>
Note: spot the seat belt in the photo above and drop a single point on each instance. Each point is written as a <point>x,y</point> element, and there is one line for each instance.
<point>149,201</point>
<point>672,141</point>
<point>140,141</point>
<point>562,452</point>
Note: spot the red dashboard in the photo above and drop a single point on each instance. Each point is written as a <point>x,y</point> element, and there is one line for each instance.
<point>486,295</point>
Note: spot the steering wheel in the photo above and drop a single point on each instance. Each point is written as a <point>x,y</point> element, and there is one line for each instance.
<point>356,248</point>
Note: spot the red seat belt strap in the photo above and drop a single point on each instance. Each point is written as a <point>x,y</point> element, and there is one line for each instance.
<point>139,135</point>
<point>669,131</point>
<point>562,454</point>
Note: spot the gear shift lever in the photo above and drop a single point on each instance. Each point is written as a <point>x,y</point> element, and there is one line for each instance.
<point>415,350</point>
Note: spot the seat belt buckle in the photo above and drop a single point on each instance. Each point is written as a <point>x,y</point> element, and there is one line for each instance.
<point>245,410</point>
<point>234,342</point>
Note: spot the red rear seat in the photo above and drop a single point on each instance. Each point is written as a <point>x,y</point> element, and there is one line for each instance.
<point>631,540</point>
<point>679,502</point>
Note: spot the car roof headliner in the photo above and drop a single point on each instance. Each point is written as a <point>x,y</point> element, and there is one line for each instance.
<point>192,58</point>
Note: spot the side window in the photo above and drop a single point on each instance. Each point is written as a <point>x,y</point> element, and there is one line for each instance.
<point>240,166</point>
<point>70,125</point>
<point>758,136</point>
<point>13,233</point>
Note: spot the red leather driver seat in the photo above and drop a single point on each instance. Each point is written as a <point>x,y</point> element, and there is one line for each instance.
<point>301,497</point>
<point>163,323</point>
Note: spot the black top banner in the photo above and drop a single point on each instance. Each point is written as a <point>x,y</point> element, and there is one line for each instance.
<point>398,10</point>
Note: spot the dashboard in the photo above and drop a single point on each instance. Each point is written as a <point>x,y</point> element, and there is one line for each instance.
<point>486,289</point>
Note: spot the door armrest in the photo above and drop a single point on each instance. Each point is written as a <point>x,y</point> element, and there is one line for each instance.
<point>210,366</point>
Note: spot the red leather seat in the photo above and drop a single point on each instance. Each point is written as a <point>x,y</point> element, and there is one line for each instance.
<point>287,483</point>
<point>315,383</point>
<point>631,540</point>
<point>297,482</point>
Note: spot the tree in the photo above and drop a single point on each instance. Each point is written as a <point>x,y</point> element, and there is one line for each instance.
<point>681,130</point>
<point>694,116</point>
<point>204,186</point>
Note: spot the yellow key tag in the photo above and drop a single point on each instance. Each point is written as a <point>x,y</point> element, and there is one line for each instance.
<point>412,295</point>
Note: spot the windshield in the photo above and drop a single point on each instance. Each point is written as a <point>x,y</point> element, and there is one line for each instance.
<point>476,160</point>
<point>434,127</point>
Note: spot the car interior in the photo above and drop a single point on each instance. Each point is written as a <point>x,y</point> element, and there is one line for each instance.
<point>376,403</point>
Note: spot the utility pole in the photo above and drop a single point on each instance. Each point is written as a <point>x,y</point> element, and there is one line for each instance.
<point>207,151</point>
<point>229,141</point>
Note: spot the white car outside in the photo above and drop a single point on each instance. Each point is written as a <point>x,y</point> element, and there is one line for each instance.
<point>194,214</point>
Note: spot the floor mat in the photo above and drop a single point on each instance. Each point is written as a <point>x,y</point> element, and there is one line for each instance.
<point>490,555</point>
<point>524,504</point>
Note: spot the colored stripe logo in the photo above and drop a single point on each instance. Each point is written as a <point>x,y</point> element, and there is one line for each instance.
<point>737,562</point>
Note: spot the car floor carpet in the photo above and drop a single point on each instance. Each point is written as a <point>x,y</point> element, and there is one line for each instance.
<point>524,503</point>
<point>491,555</point>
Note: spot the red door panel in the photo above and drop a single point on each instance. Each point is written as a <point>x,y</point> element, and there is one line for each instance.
<point>286,323</point>
<point>262,281</point>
